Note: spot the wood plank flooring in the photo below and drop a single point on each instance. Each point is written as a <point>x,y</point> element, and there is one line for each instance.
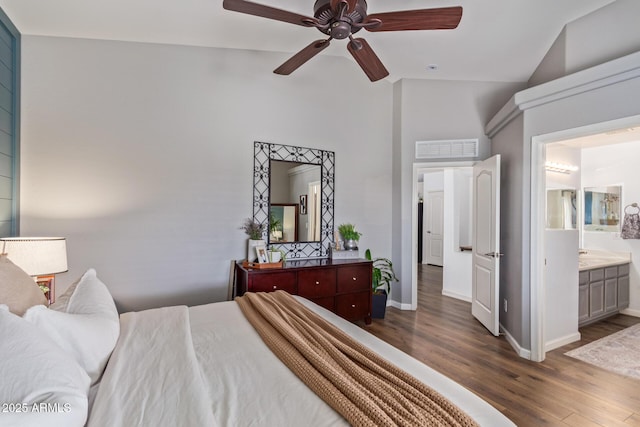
<point>560,391</point>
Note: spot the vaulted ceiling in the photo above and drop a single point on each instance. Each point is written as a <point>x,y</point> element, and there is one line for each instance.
<point>497,40</point>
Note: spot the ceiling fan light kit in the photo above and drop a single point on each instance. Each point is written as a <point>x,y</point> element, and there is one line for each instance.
<point>340,19</point>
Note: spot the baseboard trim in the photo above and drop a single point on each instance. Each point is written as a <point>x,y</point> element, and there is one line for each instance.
<point>520,351</point>
<point>398,305</point>
<point>559,342</point>
<point>456,295</point>
<point>631,312</point>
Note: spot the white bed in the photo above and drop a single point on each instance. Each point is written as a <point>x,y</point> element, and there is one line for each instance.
<point>206,366</point>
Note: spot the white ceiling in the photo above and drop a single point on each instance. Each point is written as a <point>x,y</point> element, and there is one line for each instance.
<point>497,40</point>
<point>617,136</point>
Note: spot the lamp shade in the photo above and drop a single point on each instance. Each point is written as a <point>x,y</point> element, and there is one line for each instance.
<point>37,256</point>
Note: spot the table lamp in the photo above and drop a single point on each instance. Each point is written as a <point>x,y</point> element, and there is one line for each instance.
<point>40,257</point>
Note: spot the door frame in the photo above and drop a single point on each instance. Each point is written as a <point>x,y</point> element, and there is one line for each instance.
<point>538,212</point>
<point>418,169</point>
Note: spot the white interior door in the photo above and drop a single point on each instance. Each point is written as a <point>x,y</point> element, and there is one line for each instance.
<point>313,211</point>
<point>434,225</point>
<point>486,243</point>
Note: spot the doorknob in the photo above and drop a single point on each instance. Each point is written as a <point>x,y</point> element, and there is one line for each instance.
<point>494,254</point>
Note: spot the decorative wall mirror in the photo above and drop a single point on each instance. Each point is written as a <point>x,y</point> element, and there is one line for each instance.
<point>293,190</point>
<point>602,208</point>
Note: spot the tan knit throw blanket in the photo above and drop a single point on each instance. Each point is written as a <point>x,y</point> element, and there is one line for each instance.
<point>363,387</point>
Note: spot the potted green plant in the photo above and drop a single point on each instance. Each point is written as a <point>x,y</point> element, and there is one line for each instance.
<point>254,231</point>
<point>350,236</point>
<point>381,279</point>
<point>275,228</point>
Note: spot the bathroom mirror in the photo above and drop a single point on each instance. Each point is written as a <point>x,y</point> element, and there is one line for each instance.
<point>309,188</point>
<point>602,208</point>
<point>561,209</point>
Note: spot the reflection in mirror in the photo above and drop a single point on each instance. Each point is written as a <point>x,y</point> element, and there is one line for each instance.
<point>561,209</point>
<point>602,208</point>
<point>297,184</point>
<point>313,198</point>
<point>283,223</point>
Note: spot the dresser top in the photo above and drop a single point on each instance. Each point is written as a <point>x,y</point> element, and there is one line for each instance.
<point>309,263</point>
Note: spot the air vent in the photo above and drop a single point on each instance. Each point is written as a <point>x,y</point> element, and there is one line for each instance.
<point>450,149</point>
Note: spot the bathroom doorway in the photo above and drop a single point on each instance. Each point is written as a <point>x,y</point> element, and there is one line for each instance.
<point>604,152</point>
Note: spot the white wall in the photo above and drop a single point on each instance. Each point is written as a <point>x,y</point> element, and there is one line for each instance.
<point>142,156</point>
<point>561,255</point>
<point>561,288</point>
<point>457,271</point>
<point>616,165</point>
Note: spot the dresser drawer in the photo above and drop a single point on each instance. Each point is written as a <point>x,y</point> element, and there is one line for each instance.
<point>354,278</point>
<point>317,283</point>
<point>354,306</point>
<point>270,282</point>
<point>326,302</point>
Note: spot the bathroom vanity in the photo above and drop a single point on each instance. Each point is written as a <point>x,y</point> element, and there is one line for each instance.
<point>603,285</point>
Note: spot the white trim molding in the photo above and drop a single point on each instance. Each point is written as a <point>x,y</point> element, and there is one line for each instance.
<point>615,71</point>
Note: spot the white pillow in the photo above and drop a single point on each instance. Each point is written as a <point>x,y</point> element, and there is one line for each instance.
<point>85,323</point>
<point>18,290</point>
<point>41,385</point>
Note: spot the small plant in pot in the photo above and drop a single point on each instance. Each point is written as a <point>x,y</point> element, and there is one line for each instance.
<point>254,231</point>
<point>350,236</point>
<point>382,277</point>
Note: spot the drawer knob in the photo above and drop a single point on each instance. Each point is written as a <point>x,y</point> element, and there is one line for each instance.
<point>355,278</point>
<point>353,306</point>
<point>275,287</point>
<point>317,283</point>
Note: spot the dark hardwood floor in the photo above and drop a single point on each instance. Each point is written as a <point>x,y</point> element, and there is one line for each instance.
<point>560,391</point>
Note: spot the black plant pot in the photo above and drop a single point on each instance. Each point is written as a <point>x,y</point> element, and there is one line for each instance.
<point>379,305</point>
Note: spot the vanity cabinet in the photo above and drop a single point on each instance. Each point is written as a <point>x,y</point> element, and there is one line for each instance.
<point>341,286</point>
<point>602,292</point>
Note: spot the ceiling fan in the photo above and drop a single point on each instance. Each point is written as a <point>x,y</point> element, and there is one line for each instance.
<point>340,19</point>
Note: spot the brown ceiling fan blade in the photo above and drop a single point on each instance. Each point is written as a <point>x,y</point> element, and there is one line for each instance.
<point>367,59</point>
<point>351,3</point>
<point>445,18</point>
<point>301,57</point>
<point>256,9</point>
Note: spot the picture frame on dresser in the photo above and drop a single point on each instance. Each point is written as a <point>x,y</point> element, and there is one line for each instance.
<point>261,253</point>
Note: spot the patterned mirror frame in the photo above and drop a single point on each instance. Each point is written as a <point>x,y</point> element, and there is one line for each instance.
<point>264,152</point>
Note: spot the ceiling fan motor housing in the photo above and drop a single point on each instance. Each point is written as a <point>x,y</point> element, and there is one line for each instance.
<point>339,27</point>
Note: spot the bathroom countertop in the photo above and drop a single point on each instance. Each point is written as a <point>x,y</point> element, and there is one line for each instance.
<point>593,258</point>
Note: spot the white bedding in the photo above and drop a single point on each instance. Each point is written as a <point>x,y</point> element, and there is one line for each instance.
<point>206,366</point>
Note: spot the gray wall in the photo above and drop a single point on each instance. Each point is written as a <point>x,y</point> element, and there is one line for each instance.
<point>142,156</point>
<point>508,143</point>
<point>605,34</point>
<point>583,109</point>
